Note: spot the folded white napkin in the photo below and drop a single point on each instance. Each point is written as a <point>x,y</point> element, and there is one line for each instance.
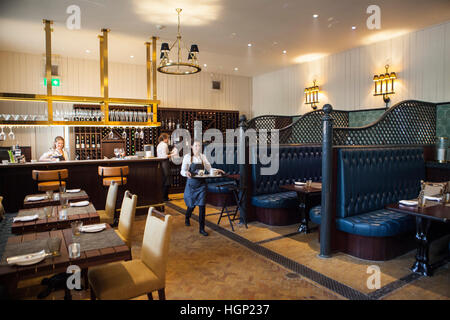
<point>298,183</point>
<point>79,203</point>
<point>409,202</point>
<point>433,198</point>
<point>36,198</point>
<point>27,258</point>
<point>26,218</point>
<point>93,227</point>
<point>73,190</point>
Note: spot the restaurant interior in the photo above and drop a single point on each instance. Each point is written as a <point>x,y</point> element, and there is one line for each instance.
<point>224,150</point>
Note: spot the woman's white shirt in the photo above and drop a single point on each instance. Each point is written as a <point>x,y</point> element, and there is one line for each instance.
<point>195,159</point>
<point>162,150</point>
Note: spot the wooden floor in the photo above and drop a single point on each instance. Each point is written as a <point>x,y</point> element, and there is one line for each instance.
<point>216,267</point>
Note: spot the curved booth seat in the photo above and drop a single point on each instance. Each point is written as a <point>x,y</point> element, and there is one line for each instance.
<point>368,179</point>
<point>271,204</point>
<point>219,196</point>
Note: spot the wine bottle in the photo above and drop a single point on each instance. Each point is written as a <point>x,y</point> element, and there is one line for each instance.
<point>88,144</point>
<point>93,141</point>
<point>77,142</point>
<point>82,142</point>
<point>98,142</point>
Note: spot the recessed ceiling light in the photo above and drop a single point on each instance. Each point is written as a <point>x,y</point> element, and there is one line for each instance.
<point>353,28</point>
<point>205,65</point>
<point>236,69</point>
<point>131,57</point>
<point>315,15</point>
<point>249,45</point>
<point>284,51</point>
<point>88,51</point>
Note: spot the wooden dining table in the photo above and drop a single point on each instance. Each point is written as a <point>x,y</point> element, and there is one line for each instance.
<point>55,200</point>
<point>87,214</point>
<point>432,211</point>
<point>96,249</point>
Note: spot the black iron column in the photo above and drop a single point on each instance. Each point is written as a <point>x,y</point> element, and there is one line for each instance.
<point>327,176</point>
<point>242,160</point>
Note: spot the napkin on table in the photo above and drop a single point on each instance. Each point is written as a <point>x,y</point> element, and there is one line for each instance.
<point>93,227</point>
<point>433,198</point>
<point>409,202</point>
<point>79,203</point>
<point>36,198</point>
<point>25,257</point>
<point>73,190</point>
<point>26,218</point>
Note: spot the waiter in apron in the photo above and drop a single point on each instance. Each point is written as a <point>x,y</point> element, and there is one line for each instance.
<point>162,151</point>
<point>194,164</point>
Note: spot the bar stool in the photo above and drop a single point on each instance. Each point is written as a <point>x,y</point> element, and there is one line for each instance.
<point>50,179</point>
<point>116,174</point>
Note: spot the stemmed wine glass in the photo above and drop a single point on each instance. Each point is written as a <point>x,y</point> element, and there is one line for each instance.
<point>116,152</point>
<point>141,135</point>
<point>136,134</point>
<point>11,134</point>
<point>124,134</point>
<point>2,135</point>
<point>122,153</point>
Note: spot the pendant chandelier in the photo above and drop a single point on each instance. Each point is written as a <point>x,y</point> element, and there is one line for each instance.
<point>177,66</point>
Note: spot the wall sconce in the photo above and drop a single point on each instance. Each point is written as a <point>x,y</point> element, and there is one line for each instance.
<point>384,84</point>
<point>312,95</point>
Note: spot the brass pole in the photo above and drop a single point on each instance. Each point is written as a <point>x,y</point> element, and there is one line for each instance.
<point>155,116</point>
<point>48,66</point>
<point>102,65</point>
<point>105,75</point>
<point>149,71</point>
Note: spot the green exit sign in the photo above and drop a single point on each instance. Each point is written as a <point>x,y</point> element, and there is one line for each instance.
<point>55,82</point>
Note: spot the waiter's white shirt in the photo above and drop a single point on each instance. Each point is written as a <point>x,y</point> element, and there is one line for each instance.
<point>195,159</point>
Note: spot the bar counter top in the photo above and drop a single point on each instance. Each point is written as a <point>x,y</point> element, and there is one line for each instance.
<point>144,180</point>
<point>113,162</point>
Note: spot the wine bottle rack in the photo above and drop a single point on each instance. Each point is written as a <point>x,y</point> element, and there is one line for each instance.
<point>170,119</point>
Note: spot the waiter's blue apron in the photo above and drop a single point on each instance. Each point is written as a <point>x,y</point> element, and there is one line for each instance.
<point>195,190</point>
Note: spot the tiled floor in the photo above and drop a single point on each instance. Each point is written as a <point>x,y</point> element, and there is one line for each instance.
<point>217,267</point>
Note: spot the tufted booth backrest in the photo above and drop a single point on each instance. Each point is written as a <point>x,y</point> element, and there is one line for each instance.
<point>227,166</point>
<point>296,162</point>
<point>370,178</point>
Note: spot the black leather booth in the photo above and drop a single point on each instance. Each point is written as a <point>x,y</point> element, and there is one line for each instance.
<point>367,180</point>
<point>273,205</point>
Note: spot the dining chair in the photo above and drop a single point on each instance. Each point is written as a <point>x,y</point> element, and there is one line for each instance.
<point>126,218</point>
<point>108,215</point>
<point>133,278</point>
<point>50,179</point>
<point>117,174</point>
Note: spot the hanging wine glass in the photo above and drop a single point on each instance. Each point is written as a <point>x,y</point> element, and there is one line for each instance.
<point>110,134</point>
<point>124,134</point>
<point>141,135</point>
<point>2,135</point>
<point>11,134</point>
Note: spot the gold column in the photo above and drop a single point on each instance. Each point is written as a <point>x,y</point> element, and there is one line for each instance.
<point>155,117</point>
<point>48,67</point>
<point>104,45</point>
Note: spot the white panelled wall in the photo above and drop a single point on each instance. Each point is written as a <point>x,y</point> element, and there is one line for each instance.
<point>24,73</point>
<point>421,60</point>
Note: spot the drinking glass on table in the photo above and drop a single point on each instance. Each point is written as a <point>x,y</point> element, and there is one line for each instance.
<point>76,227</point>
<point>48,211</point>
<point>53,245</point>
<point>308,183</point>
<point>116,152</point>
<point>49,194</point>
<point>74,250</point>
<point>62,189</point>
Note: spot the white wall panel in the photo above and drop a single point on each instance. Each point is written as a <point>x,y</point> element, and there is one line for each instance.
<point>421,60</point>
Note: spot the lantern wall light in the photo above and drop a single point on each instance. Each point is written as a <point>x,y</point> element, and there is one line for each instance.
<point>384,84</point>
<point>312,95</point>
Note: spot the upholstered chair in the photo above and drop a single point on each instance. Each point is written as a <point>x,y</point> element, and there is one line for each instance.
<point>126,219</point>
<point>108,215</point>
<point>130,279</point>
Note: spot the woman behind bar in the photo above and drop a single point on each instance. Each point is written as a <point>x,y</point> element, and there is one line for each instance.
<point>57,152</point>
<point>195,190</point>
<point>162,151</point>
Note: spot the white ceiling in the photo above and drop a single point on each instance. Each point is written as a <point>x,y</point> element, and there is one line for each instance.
<point>221,28</point>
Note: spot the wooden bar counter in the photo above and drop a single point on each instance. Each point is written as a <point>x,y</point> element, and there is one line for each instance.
<point>144,179</point>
